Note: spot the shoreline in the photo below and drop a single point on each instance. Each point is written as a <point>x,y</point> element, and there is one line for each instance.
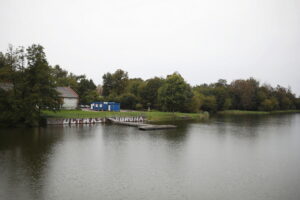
<point>152,116</point>
<point>248,112</point>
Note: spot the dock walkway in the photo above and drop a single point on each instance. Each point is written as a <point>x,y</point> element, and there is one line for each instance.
<point>143,126</point>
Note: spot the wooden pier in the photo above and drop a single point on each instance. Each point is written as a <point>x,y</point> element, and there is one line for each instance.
<point>142,126</point>
<point>149,127</point>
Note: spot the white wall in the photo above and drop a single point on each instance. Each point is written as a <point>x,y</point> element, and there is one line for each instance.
<point>70,103</point>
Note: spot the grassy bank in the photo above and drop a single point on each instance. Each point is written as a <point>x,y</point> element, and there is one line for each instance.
<point>247,112</point>
<point>153,115</point>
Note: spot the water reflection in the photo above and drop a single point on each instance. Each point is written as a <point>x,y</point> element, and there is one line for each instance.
<point>250,125</point>
<point>242,157</point>
<point>24,155</point>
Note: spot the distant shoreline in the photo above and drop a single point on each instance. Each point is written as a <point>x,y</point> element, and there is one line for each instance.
<point>248,112</point>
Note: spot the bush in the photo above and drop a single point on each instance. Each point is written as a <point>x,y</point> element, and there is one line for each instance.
<point>209,104</point>
<point>269,105</point>
<point>139,106</point>
<point>128,101</point>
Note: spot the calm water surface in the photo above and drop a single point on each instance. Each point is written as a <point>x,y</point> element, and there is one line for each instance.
<point>253,157</point>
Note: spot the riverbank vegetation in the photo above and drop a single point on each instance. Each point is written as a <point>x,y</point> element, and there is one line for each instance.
<point>28,86</point>
<point>247,112</point>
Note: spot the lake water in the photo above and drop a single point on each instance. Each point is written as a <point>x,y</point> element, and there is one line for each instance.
<point>243,157</point>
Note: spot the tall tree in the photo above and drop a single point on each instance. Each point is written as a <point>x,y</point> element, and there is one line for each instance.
<point>87,91</point>
<point>114,84</point>
<point>149,93</point>
<point>244,93</point>
<point>33,86</point>
<point>175,94</point>
<point>41,93</point>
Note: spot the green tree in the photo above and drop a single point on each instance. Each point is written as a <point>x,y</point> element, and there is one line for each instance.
<point>87,91</point>
<point>298,103</point>
<point>227,104</point>
<point>244,94</point>
<point>209,104</point>
<point>197,102</point>
<point>128,101</point>
<point>219,90</point>
<point>269,104</point>
<point>33,87</point>
<point>149,93</point>
<point>60,76</point>
<point>114,83</point>
<point>134,86</point>
<point>175,94</point>
<point>90,96</point>
<point>41,93</point>
<point>266,105</point>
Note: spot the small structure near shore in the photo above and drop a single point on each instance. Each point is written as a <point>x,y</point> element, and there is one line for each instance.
<point>142,126</point>
<point>105,106</point>
<point>149,127</point>
<point>69,98</point>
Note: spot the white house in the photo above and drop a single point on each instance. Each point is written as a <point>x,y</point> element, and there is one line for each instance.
<point>6,86</point>
<point>70,98</point>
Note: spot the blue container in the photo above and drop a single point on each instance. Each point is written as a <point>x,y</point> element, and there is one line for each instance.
<point>105,106</point>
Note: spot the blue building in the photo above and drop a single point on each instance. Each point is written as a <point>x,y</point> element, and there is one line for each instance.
<point>105,106</point>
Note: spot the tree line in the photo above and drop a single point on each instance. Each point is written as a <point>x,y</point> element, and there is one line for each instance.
<point>34,81</point>
<point>173,93</point>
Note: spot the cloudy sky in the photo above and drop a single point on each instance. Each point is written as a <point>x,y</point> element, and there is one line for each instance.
<point>202,40</point>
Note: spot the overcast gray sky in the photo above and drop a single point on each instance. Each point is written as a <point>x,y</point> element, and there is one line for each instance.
<point>202,40</point>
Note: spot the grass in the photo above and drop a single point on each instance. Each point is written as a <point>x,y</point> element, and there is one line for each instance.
<point>167,116</point>
<point>286,111</point>
<point>152,116</point>
<point>247,112</point>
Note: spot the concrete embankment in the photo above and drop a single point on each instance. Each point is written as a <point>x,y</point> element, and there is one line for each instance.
<point>137,121</point>
<point>70,121</point>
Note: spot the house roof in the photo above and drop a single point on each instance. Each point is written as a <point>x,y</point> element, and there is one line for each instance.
<point>6,86</point>
<point>66,92</point>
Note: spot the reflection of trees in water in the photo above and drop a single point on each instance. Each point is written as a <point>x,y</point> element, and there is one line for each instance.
<point>174,135</point>
<point>250,125</point>
<point>113,132</point>
<point>24,155</point>
<point>256,120</point>
<point>82,131</point>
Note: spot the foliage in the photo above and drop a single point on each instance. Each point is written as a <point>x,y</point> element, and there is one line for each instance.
<point>87,91</point>
<point>209,104</point>
<point>128,101</point>
<point>85,88</point>
<point>297,103</point>
<point>33,87</point>
<point>197,102</point>
<point>175,94</point>
<point>139,106</point>
<point>134,86</point>
<point>114,83</point>
<point>149,93</point>
<point>244,93</point>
